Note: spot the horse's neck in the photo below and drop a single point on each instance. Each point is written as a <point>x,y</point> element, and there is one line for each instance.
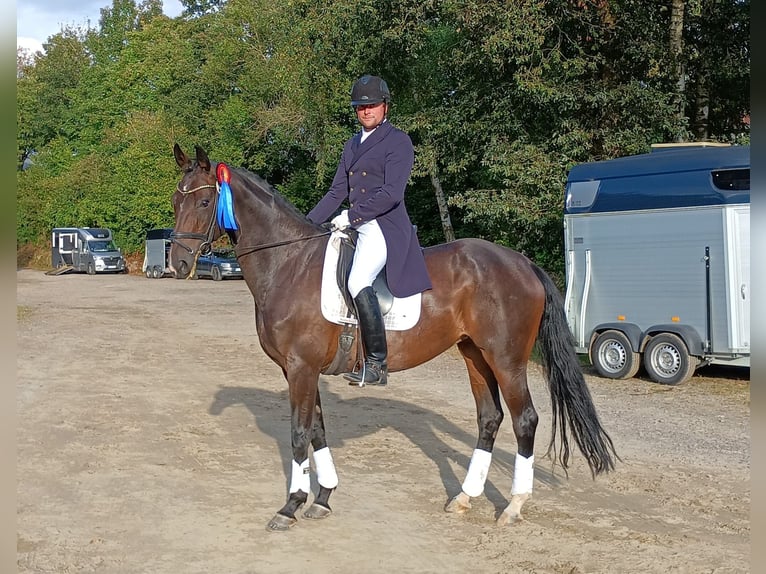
<point>271,240</point>
<point>265,217</point>
<point>275,271</point>
<point>261,226</point>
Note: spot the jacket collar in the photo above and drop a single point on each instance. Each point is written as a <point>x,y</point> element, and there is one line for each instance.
<point>380,133</point>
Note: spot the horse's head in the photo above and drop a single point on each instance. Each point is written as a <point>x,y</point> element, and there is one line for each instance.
<point>194,204</point>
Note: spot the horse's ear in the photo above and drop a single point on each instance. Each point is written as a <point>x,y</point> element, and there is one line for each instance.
<point>202,159</point>
<point>181,159</point>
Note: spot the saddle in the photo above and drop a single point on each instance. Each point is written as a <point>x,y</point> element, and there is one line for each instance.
<point>345,259</point>
<point>346,339</point>
<point>399,314</point>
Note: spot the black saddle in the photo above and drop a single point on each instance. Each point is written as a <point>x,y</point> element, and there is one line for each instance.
<point>345,259</point>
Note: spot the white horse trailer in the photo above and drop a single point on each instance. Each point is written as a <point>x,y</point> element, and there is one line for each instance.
<point>157,253</point>
<point>658,261</point>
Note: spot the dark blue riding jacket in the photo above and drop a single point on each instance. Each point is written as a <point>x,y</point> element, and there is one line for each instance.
<point>373,176</point>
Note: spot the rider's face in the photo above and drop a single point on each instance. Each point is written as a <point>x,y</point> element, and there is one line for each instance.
<point>370,115</point>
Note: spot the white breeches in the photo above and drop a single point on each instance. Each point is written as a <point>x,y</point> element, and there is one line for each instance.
<point>369,258</point>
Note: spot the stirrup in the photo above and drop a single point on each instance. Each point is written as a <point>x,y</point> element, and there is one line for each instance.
<point>370,374</point>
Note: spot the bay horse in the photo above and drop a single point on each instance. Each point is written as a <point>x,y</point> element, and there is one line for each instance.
<point>490,301</point>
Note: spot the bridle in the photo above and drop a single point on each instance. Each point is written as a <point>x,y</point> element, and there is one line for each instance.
<point>206,238</point>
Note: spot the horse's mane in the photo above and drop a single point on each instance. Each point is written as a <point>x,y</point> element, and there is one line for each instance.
<point>251,180</point>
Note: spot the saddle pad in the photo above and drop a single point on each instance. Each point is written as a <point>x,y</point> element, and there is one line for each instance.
<point>404,313</point>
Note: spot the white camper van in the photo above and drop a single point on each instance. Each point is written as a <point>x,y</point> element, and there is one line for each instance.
<point>658,261</point>
<point>88,249</point>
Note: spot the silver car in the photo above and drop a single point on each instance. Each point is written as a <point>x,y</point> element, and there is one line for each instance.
<point>219,265</point>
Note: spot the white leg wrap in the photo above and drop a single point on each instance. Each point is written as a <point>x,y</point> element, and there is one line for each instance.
<point>523,475</point>
<point>325,467</point>
<point>473,485</point>
<point>301,479</point>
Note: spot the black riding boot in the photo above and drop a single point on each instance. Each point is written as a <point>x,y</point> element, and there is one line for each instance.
<point>374,369</point>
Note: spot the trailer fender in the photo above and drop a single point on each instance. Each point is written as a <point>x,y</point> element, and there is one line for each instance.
<point>630,330</point>
<point>690,337</point>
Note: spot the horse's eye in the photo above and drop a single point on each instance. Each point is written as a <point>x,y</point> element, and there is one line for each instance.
<point>205,202</point>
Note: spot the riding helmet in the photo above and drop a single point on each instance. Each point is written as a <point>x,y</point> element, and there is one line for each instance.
<point>370,90</point>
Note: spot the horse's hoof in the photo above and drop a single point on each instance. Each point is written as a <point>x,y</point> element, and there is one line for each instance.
<point>317,511</point>
<point>507,518</point>
<point>512,513</point>
<point>460,504</point>
<point>280,523</point>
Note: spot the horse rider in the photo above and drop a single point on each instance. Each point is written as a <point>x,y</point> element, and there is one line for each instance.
<point>372,176</point>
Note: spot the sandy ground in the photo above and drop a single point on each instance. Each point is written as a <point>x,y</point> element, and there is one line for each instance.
<point>153,437</point>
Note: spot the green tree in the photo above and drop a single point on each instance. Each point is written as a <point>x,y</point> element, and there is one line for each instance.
<point>500,98</point>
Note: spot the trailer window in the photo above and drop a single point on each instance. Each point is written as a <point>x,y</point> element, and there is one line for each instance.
<point>581,193</point>
<point>732,179</point>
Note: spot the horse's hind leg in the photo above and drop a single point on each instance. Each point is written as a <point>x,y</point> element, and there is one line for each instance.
<point>327,477</point>
<point>489,415</point>
<point>513,385</point>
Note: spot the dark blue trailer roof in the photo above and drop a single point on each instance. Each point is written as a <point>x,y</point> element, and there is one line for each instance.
<point>682,177</point>
<point>159,233</point>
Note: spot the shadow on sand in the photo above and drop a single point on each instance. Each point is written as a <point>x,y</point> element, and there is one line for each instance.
<point>347,419</point>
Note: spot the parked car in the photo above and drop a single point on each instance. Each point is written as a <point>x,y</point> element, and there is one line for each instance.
<point>219,265</point>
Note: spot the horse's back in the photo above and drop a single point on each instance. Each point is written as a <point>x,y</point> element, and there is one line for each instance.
<point>483,265</point>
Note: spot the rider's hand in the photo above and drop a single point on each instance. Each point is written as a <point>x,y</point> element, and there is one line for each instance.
<point>340,222</point>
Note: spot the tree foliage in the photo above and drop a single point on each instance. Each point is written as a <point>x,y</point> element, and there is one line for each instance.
<point>500,98</point>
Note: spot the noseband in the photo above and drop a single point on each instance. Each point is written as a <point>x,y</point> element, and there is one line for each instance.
<point>206,238</point>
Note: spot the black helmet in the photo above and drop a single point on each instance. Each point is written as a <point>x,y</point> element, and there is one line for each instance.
<point>369,90</point>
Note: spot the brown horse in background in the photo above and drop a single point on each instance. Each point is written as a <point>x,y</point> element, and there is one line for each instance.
<point>489,300</point>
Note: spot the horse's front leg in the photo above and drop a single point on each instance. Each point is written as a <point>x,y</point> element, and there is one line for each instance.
<point>327,477</point>
<point>303,398</point>
<point>307,427</point>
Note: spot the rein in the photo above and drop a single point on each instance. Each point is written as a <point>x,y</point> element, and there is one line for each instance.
<point>252,249</point>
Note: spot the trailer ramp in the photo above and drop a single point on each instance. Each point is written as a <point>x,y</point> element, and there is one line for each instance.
<point>60,270</point>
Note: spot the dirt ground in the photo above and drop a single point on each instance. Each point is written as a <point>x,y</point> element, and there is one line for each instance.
<point>153,437</point>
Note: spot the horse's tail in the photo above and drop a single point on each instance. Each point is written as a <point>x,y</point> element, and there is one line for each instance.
<point>570,398</point>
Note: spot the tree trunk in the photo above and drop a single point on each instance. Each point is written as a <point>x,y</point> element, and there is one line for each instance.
<point>449,232</point>
<point>702,109</point>
<point>676,53</point>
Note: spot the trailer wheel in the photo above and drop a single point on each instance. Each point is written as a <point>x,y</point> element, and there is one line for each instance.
<point>156,272</point>
<point>667,360</point>
<point>149,273</point>
<point>91,269</point>
<point>613,356</point>
<point>215,273</point>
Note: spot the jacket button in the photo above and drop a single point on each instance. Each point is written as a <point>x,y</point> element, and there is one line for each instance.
<point>364,190</point>
<point>351,173</point>
<point>364,173</point>
<point>351,205</point>
<point>350,189</point>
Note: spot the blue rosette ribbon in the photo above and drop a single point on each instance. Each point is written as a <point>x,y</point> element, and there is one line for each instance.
<point>225,209</point>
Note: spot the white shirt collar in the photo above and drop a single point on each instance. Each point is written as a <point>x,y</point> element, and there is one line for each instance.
<point>366,134</point>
